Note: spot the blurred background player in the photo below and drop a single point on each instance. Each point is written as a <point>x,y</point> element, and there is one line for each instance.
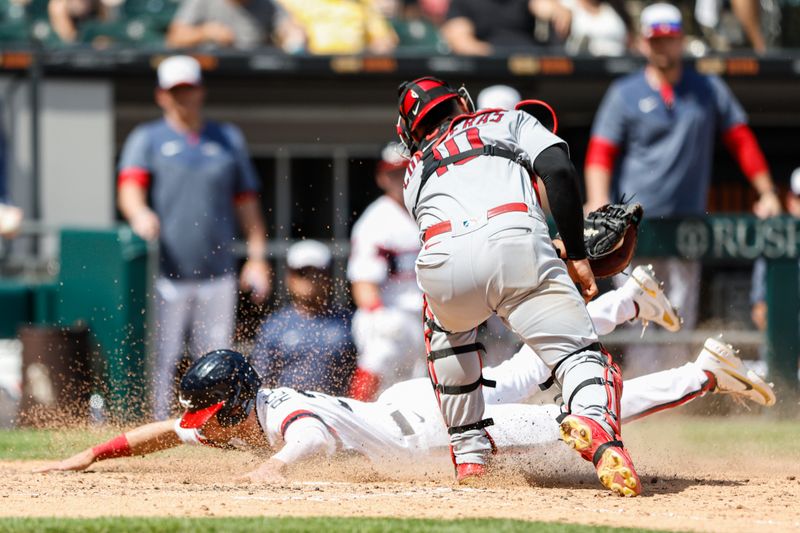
<point>653,140</point>
<point>184,181</point>
<point>758,290</point>
<point>306,344</point>
<point>384,244</point>
<point>498,96</point>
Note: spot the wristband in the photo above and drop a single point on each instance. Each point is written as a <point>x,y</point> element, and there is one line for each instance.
<point>374,306</point>
<point>116,447</point>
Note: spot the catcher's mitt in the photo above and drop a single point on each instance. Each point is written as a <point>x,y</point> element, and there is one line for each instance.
<point>609,234</point>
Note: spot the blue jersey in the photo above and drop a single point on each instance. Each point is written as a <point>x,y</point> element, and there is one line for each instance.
<point>194,180</point>
<point>306,352</point>
<point>666,151</point>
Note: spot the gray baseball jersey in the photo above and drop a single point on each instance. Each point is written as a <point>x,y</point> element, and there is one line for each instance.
<point>468,189</point>
<point>494,257</point>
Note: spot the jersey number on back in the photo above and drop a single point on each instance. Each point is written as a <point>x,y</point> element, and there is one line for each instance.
<point>472,137</point>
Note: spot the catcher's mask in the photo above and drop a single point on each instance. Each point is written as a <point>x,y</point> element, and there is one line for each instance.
<point>220,383</point>
<point>417,98</point>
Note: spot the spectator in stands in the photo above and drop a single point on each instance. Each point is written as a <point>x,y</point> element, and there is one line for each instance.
<point>601,28</point>
<point>184,181</point>
<point>66,16</point>
<point>480,27</point>
<point>653,140</point>
<point>337,27</point>
<point>709,13</point>
<point>242,24</point>
<point>307,344</point>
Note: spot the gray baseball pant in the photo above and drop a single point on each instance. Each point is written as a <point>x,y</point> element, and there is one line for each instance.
<point>506,265</point>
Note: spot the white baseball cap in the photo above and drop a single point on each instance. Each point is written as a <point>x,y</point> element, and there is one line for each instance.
<point>498,96</point>
<point>308,253</point>
<point>179,70</point>
<point>795,182</point>
<point>661,20</point>
<point>394,156</point>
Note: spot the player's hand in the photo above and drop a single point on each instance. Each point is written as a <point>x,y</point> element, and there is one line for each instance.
<point>10,220</point>
<point>218,33</point>
<point>79,461</point>
<point>759,315</point>
<point>270,472</point>
<point>256,278</point>
<point>581,273</point>
<point>145,224</point>
<point>768,205</point>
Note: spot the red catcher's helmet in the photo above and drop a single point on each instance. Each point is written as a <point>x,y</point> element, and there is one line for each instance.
<point>417,98</point>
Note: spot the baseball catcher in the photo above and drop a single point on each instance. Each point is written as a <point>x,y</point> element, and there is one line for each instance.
<point>487,251</point>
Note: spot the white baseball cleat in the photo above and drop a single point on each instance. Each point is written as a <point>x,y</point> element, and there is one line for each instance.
<point>653,304</point>
<point>732,376</point>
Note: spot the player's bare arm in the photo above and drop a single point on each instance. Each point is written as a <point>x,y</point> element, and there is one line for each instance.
<point>255,274</point>
<point>598,187</point>
<point>133,205</point>
<point>142,440</point>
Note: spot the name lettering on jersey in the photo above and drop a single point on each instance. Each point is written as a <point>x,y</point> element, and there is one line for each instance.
<point>477,120</point>
<point>275,398</point>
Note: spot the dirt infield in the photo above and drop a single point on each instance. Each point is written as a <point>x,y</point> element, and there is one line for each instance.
<point>731,492</point>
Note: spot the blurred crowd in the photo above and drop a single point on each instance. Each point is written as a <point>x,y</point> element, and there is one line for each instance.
<point>468,27</point>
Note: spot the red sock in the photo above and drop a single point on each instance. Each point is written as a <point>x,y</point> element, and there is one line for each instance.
<point>364,385</point>
<point>711,384</point>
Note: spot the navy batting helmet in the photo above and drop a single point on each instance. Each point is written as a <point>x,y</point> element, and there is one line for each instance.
<point>220,383</point>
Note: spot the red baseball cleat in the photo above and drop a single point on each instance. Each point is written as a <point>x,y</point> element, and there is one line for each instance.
<point>466,473</point>
<point>614,466</point>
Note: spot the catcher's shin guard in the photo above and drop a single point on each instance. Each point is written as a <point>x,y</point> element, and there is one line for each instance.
<point>455,368</point>
<point>591,385</point>
<point>592,390</point>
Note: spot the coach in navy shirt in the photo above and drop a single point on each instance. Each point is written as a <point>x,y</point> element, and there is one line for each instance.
<point>187,182</point>
<point>306,344</point>
<point>653,141</point>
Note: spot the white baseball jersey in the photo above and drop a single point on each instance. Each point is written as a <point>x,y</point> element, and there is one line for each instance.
<point>469,188</point>
<point>384,245</point>
<point>406,420</point>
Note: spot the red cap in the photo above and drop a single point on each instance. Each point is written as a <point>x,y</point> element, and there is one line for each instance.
<point>197,419</point>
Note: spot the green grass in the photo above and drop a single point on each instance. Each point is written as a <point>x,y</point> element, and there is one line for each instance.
<point>321,524</point>
<point>27,444</point>
<point>723,437</point>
